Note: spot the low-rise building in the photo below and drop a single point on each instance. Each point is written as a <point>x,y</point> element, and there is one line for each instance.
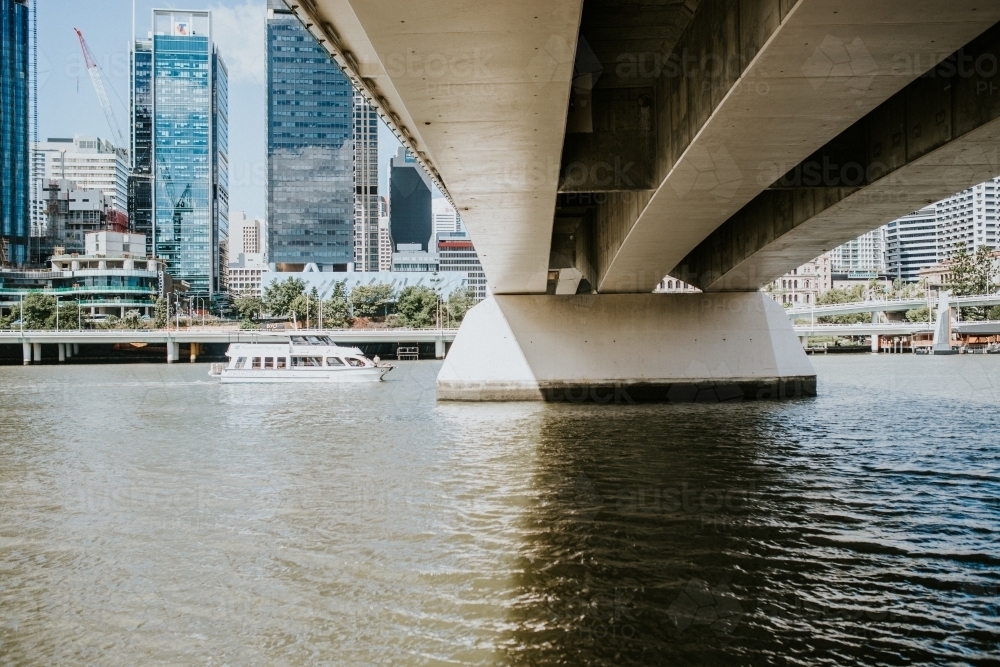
<point>413,258</point>
<point>803,285</point>
<point>107,281</point>
<point>671,285</point>
<point>456,253</point>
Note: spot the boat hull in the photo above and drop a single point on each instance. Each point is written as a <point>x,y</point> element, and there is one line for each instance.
<point>283,375</point>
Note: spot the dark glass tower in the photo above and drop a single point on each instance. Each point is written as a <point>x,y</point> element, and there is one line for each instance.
<point>140,183</point>
<point>14,108</point>
<point>409,201</point>
<point>189,148</point>
<point>310,152</point>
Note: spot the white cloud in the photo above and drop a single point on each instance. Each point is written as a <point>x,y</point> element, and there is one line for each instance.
<point>239,32</point>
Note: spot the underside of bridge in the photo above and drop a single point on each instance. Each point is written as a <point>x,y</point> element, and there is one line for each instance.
<point>594,146</point>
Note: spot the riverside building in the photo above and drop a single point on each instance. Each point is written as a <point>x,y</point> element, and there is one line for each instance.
<point>112,277</point>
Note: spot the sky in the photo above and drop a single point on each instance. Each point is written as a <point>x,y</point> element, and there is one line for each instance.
<point>68,105</point>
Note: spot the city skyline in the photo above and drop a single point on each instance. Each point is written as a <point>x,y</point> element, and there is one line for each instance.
<point>69,107</point>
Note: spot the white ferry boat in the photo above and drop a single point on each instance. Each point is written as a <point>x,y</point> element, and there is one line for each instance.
<point>304,358</point>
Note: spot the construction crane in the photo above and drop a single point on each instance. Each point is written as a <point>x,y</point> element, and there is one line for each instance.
<point>95,77</point>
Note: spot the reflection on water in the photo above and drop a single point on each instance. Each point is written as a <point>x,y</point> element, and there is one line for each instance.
<point>148,515</point>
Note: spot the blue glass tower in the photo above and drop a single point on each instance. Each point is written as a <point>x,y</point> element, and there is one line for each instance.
<point>189,148</point>
<point>310,152</point>
<point>14,107</point>
<point>140,182</point>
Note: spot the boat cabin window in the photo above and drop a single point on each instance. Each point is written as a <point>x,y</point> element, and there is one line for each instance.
<point>307,361</point>
<point>255,363</point>
<point>241,362</point>
<point>269,362</point>
<point>334,361</point>
<point>311,340</point>
<point>282,362</point>
<point>355,362</point>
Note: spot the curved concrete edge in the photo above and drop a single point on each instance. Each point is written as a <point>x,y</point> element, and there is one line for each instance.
<point>626,348</point>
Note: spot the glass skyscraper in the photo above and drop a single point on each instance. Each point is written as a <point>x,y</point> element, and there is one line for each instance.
<point>140,184</point>
<point>189,91</point>
<point>409,201</point>
<point>310,151</point>
<point>15,178</point>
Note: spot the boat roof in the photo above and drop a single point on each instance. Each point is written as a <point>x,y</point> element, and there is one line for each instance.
<point>280,349</point>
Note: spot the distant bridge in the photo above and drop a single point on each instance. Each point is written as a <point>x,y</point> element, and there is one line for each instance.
<point>887,306</point>
<point>990,328</point>
<point>68,341</point>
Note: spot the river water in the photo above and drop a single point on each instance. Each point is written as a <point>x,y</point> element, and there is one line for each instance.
<point>151,516</point>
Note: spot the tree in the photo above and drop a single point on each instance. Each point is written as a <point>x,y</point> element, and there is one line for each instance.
<point>306,308</point>
<point>70,316</point>
<point>278,296</point>
<point>249,307</point>
<point>39,311</point>
<point>417,306</point>
<point>337,309</point>
<point>131,320</point>
<point>972,274</point>
<point>161,313</point>
<point>993,313</point>
<point>372,300</point>
<point>843,295</point>
<point>920,314</point>
<point>459,303</point>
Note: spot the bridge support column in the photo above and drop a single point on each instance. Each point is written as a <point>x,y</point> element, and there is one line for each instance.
<point>76,349</point>
<point>26,351</point>
<point>69,350</point>
<point>36,353</point>
<point>62,352</point>
<point>874,342</point>
<point>172,351</point>
<point>439,347</point>
<point>194,352</point>
<point>626,348</point>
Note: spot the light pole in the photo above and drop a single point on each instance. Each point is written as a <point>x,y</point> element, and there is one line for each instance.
<point>57,313</point>
<point>22,314</point>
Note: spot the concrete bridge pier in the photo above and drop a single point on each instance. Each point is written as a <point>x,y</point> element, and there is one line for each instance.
<point>69,350</point>
<point>36,353</point>
<point>194,352</point>
<point>626,348</point>
<point>439,347</point>
<point>173,351</point>
<point>76,349</point>
<point>26,350</point>
<point>875,343</point>
<point>62,352</point>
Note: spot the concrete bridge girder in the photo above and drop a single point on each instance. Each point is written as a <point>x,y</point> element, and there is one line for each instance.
<point>937,136</point>
<point>803,74</point>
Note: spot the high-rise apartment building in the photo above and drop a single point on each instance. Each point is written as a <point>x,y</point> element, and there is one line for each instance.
<point>968,218</point>
<point>189,147</point>
<point>310,153</point>
<point>89,162</point>
<point>15,98</point>
<point>865,254</point>
<point>911,244</point>
<point>366,199</point>
<point>140,183</point>
<point>409,202</point>
<point>384,243</point>
<point>445,217</point>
